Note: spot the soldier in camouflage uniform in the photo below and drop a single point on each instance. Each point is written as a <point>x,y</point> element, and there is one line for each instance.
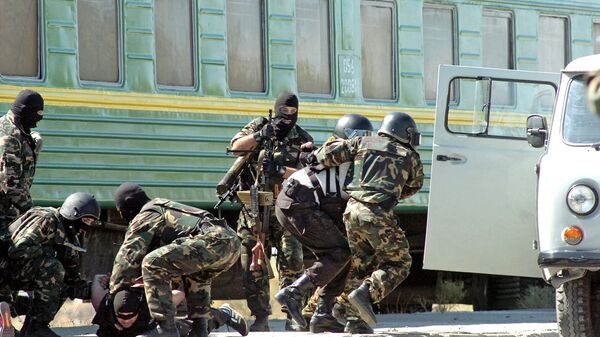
<point>166,239</point>
<point>310,206</point>
<point>291,139</point>
<point>43,257</point>
<point>386,169</point>
<point>19,148</point>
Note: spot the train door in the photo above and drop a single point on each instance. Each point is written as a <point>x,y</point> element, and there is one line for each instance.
<point>481,214</point>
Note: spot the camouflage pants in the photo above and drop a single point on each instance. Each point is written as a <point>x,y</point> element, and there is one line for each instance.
<point>289,262</point>
<point>380,255</point>
<point>45,277</point>
<point>197,259</point>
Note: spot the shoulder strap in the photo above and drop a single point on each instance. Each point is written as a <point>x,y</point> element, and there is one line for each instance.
<point>315,182</point>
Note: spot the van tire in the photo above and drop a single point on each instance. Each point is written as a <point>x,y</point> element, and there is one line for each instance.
<point>576,313</point>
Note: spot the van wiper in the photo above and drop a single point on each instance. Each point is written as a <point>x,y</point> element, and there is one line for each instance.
<point>596,146</point>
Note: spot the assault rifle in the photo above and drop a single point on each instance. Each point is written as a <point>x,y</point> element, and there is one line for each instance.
<point>258,200</point>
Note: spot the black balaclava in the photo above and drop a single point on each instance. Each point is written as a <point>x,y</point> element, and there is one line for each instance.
<point>284,122</point>
<point>26,109</point>
<point>129,199</point>
<point>126,301</point>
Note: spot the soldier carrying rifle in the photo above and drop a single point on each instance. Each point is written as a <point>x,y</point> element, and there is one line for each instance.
<point>275,146</point>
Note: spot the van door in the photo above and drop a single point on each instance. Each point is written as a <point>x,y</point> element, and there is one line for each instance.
<point>481,215</point>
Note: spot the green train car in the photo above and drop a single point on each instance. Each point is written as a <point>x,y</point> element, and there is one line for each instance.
<point>151,91</point>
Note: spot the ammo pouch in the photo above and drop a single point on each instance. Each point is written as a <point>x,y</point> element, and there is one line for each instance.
<point>295,195</point>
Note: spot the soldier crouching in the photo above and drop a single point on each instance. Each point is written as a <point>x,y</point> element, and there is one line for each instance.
<point>166,239</point>
<point>43,257</point>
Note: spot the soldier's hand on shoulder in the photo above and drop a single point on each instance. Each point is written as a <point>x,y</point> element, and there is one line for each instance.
<point>307,147</point>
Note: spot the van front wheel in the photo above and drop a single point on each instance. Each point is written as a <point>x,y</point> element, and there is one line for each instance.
<point>578,307</point>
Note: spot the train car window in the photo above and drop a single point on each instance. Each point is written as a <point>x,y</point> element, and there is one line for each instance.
<point>553,43</point>
<point>245,46</point>
<point>497,49</point>
<point>98,40</point>
<point>596,36</point>
<point>174,42</point>
<point>378,34</point>
<point>313,46</point>
<point>19,38</point>
<point>438,45</point>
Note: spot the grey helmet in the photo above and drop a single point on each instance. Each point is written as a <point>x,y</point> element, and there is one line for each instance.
<point>352,125</point>
<point>402,127</point>
<point>78,205</point>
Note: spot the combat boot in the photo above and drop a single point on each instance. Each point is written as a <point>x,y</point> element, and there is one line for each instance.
<point>162,331</point>
<point>361,299</point>
<point>322,320</point>
<point>292,296</point>
<point>6,327</point>
<point>199,328</point>
<point>339,312</point>
<point>357,326</point>
<point>291,325</point>
<point>226,315</point>
<point>260,324</point>
<point>38,329</point>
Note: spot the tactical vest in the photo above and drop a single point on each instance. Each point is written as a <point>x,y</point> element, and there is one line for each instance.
<point>381,168</point>
<point>181,220</point>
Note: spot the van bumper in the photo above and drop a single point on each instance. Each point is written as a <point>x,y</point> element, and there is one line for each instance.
<point>569,259</point>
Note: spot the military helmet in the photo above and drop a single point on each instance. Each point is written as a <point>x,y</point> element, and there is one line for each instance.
<point>352,125</point>
<point>79,205</point>
<point>402,127</point>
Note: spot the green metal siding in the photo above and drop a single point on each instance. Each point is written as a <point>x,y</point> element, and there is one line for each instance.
<point>181,155</point>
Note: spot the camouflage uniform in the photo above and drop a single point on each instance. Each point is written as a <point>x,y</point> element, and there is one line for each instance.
<point>18,153</point>
<point>289,257</point>
<point>43,257</point>
<point>385,171</point>
<point>168,239</point>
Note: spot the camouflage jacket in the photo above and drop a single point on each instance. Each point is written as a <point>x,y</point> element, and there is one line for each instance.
<point>40,232</point>
<point>158,223</point>
<point>17,165</point>
<point>287,151</point>
<point>383,168</point>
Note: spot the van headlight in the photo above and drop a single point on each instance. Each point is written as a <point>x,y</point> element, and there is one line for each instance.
<point>582,199</point>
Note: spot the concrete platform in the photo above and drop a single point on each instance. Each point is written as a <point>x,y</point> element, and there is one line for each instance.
<point>521,323</point>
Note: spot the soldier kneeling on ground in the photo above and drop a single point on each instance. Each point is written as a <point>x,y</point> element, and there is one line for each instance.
<point>167,239</point>
<point>43,258</point>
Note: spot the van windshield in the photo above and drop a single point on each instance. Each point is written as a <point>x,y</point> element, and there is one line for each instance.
<point>581,125</point>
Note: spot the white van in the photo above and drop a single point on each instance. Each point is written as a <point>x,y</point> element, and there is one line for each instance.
<point>484,203</point>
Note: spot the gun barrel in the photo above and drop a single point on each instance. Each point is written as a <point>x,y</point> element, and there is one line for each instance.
<point>229,178</point>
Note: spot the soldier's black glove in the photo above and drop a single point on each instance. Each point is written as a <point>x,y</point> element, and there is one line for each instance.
<point>307,159</point>
<point>80,289</point>
<point>264,133</point>
<point>271,168</point>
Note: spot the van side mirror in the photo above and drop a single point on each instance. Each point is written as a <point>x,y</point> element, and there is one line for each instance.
<point>537,130</point>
